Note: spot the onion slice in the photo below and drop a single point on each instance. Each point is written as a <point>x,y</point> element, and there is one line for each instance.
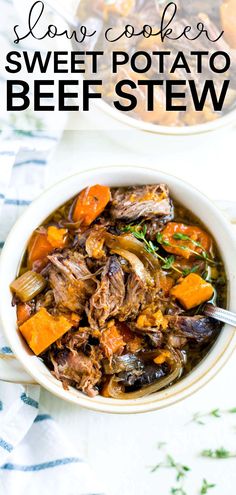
<point>136,263</point>
<point>130,243</point>
<point>29,285</point>
<point>118,364</point>
<point>70,225</point>
<point>116,391</point>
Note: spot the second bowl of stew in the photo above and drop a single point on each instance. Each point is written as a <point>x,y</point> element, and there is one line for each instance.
<point>144,59</point>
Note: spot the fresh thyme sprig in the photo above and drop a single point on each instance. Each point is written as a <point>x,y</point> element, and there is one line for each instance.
<point>183,237</point>
<point>187,271</point>
<point>178,236</point>
<point>181,469</point>
<point>140,232</point>
<point>206,487</point>
<point>203,254</point>
<point>215,413</point>
<point>220,453</point>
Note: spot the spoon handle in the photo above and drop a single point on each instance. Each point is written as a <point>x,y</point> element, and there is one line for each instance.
<point>220,314</point>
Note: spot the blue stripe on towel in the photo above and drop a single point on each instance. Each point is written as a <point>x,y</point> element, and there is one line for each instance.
<point>7,153</point>
<point>42,417</point>
<point>2,244</point>
<point>5,350</point>
<point>2,196</point>
<point>41,135</point>
<point>31,162</point>
<point>17,202</point>
<point>29,401</point>
<point>5,445</point>
<point>1,405</point>
<point>41,467</point>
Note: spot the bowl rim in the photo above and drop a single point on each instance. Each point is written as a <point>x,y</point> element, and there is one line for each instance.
<point>127,120</point>
<point>111,405</point>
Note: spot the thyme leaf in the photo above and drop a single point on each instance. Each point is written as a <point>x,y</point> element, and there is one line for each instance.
<point>178,491</point>
<point>187,271</point>
<point>232,411</point>
<point>181,237</point>
<point>161,240</point>
<point>206,487</point>
<point>169,262</point>
<point>216,413</point>
<point>220,453</point>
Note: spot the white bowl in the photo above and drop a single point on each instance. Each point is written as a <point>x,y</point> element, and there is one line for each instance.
<point>127,122</point>
<point>52,199</point>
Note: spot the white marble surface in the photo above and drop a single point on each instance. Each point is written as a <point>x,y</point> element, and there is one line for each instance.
<point>121,448</point>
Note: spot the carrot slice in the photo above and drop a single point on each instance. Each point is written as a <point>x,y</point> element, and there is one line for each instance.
<point>192,291</point>
<point>23,313</point>
<point>42,329</point>
<point>183,247</point>
<point>57,237</point>
<point>91,203</point>
<point>38,249</point>
<point>43,243</point>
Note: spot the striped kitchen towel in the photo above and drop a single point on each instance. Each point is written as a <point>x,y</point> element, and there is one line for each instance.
<point>23,160</point>
<point>34,455</point>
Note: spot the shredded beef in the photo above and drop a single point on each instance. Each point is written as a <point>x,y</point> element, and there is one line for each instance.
<point>109,296</point>
<point>75,368</point>
<point>141,202</point>
<point>71,281</point>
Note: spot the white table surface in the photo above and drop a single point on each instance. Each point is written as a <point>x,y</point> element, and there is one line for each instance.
<point>121,448</point>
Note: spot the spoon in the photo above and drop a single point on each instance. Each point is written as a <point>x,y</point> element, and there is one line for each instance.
<point>220,314</point>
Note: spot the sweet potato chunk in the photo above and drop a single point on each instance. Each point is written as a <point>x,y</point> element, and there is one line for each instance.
<point>148,319</point>
<point>112,340</point>
<point>192,291</point>
<point>42,329</point>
